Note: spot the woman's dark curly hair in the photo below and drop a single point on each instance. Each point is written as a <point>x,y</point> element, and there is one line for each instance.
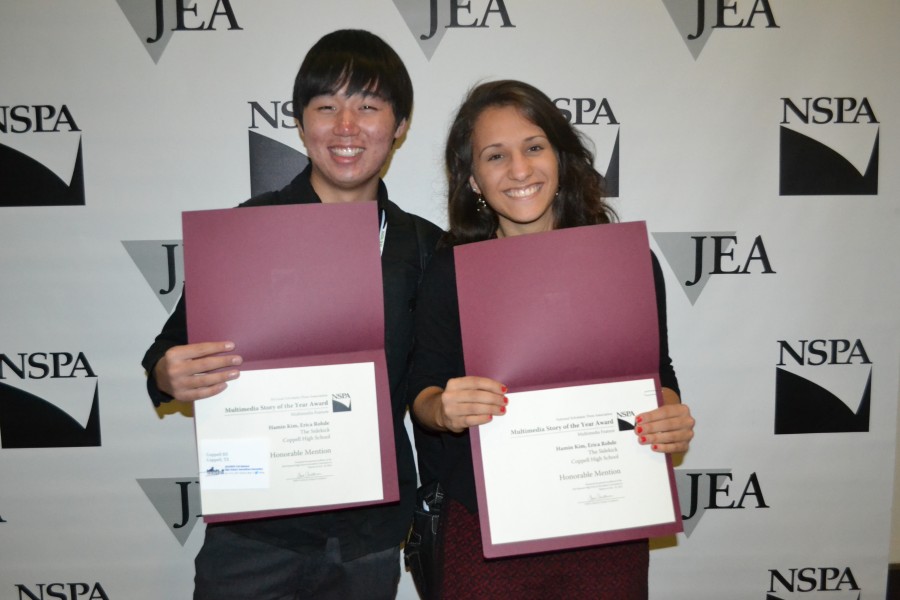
<point>580,200</point>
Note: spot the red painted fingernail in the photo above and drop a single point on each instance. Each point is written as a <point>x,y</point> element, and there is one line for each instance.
<point>640,419</point>
<point>505,400</point>
<point>502,410</point>
<point>655,447</point>
<point>644,440</point>
<point>640,430</point>
<point>504,389</point>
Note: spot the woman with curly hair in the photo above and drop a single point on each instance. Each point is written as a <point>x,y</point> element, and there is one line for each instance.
<point>515,166</point>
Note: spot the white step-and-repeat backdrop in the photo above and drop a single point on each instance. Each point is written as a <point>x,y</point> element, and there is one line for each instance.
<point>757,138</point>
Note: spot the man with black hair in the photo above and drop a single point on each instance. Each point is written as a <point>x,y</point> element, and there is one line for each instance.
<point>352,100</point>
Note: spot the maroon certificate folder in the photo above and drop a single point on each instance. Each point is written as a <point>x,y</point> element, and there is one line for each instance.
<point>298,289</point>
<point>567,319</point>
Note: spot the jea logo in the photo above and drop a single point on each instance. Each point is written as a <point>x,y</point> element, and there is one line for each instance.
<point>828,146</point>
<point>696,256</point>
<point>155,21</point>
<point>426,20</point>
<point>62,591</point>
<point>177,500</point>
<point>273,162</point>
<point>40,156</point>
<point>48,400</point>
<point>822,386</point>
<point>161,262</point>
<point>805,580</point>
<point>591,112</point>
<point>714,489</point>
<point>696,21</point>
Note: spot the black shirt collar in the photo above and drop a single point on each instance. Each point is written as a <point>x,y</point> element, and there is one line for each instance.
<point>304,192</point>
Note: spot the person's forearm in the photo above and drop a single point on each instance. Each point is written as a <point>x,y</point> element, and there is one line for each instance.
<point>427,409</point>
<point>670,396</point>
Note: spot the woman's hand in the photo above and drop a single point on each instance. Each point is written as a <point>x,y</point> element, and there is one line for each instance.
<point>668,428</point>
<point>465,402</point>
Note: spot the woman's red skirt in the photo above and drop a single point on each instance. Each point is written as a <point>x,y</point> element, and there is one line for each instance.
<point>610,572</point>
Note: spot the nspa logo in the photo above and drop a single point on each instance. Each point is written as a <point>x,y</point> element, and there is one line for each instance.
<point>429,20</point>
<point>61,591</point>
<point>822,386</point>
<point>48,400</point>
<point>625,420</point>
<point>603,127</point>
<point>154,21</point>
<point>341,402</point>
<point>828,147</point>
<point>715,489</point>
<point>809,583</point>
<point>273,163</point>
<point>161,262</point>
<point>177,500</point>
<point>696,256</point>
<point>697,20</point>
<point>40,156</point>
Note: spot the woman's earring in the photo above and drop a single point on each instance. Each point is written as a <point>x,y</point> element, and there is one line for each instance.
<point>480,204</point>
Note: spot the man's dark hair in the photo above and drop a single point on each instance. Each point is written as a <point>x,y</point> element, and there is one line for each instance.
<point>359,61</point>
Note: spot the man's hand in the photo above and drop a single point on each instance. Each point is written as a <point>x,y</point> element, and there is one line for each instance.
<point>467,401</point>
<point>185,372</point>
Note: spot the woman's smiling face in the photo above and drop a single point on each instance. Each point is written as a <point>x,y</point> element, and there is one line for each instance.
<point>515,169</point>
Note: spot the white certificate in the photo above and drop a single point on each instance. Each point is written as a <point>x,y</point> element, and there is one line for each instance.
<point>290,439</point>
<point>563,468</point>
